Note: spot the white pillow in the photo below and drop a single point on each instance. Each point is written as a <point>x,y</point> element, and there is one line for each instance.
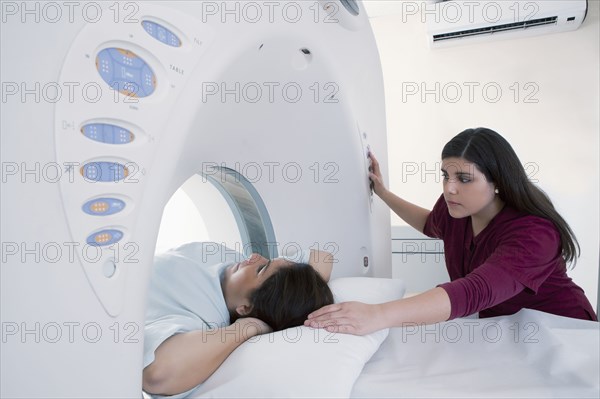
<point>367,289</point>
<point>302,362</point>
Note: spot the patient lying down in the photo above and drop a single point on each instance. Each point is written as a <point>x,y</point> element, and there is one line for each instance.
<point>200,309</point>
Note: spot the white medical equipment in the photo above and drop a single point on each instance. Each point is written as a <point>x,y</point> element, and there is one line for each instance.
<point>109,107</point>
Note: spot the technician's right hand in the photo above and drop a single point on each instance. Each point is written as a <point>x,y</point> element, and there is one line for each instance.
<point>348,318</point>
<point>376,176</point>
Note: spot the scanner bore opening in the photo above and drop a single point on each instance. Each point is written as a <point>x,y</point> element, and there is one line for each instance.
<point>229,210</point>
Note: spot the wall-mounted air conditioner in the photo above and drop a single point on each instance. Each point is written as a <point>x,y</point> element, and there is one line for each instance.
<point>452,22</point>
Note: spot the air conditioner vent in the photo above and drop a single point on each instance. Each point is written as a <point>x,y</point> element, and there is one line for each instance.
<point>496,28</point>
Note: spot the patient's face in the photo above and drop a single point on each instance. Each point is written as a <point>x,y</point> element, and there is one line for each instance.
<point>242,278</point>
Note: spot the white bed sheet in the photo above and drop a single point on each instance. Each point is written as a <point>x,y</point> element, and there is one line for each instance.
<point>529,354</point>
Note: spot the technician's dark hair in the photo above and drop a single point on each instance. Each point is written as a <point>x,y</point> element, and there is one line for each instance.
<point>496,159</point>
<point>287,297</point>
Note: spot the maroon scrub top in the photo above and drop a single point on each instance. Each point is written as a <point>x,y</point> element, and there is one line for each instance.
<point>514,263</point>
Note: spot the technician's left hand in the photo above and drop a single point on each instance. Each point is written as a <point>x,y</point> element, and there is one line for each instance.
<point>347,317</point>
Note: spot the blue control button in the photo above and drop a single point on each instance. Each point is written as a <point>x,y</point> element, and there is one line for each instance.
<point>161,34</point>
<point>103,206</point>
<point>105,237</point>
<point>104,171</point>
<point>106,133</point>
<point>125,72</point>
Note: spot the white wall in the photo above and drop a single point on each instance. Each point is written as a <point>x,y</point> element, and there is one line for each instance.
<point>556,136</point>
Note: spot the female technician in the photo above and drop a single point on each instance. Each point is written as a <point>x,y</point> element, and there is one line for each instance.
<point>506,247</point>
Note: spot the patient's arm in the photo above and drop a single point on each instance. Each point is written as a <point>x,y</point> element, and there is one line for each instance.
<point>322,262</point>
<point>188,359</point>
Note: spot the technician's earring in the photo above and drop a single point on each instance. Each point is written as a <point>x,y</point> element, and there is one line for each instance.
<point>497,191</point>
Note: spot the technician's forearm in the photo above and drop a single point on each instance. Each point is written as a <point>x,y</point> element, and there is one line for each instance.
<point>412,214</point>
<point>430,307</point>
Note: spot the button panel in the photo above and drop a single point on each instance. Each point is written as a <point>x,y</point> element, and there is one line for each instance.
<point>126,72</point>
<point>103,206</point>
<point>107,133</point>
<point>113,136</point>
<point>161,33</point>
<point>104,171</point>
<point>105,237</point>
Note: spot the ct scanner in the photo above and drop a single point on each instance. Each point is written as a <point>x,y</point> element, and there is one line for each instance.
<point>109,107</point>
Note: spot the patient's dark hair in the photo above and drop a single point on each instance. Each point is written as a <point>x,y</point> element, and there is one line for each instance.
<point>287,297</point>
